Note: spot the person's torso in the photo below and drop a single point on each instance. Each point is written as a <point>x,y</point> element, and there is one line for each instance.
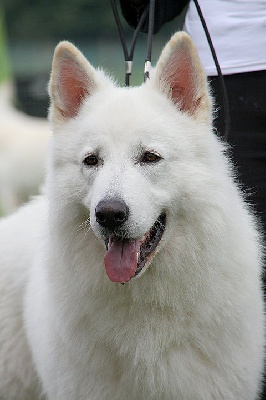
<point>238,32</point>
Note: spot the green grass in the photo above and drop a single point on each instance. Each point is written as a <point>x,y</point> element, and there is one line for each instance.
<point>5,71</point>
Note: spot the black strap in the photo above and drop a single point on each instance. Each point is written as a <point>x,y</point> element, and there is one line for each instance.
<point>149,40</point>
<point>219,72</point>
<point>128,55</point>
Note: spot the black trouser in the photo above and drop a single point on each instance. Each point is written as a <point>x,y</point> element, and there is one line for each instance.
<point>247,136</point>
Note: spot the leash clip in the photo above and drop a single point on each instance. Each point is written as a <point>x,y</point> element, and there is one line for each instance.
<point>128,65</point>
<point>147,70</point>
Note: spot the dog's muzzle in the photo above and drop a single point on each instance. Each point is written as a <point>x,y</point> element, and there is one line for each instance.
<point>126,257</point>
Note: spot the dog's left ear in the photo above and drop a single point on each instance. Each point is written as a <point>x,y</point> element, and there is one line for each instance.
<point>180,75</point>
<point>72,80</point>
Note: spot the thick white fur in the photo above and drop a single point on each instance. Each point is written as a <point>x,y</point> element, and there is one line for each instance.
<point>191,326</point>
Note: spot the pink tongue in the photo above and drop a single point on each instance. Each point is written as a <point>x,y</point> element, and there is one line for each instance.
<point>121,259</point>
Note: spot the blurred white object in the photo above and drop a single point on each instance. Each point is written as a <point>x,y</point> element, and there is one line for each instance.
<point>23,145</point>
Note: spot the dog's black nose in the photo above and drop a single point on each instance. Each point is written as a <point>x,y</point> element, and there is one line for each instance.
<point>111,214</point>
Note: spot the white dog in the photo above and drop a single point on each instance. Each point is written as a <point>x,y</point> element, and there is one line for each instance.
<point>137,276</point>
<point>23,147</point>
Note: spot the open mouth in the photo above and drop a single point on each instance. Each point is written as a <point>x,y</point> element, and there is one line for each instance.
<point>126,258</point>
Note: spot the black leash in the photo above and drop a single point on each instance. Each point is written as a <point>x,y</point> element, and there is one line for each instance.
<point>219,72</point>
<point>128,55</point>
<point>147,68</point>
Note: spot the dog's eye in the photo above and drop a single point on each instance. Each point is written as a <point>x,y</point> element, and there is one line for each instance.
<point>91,160</point>
<point>150,157</point>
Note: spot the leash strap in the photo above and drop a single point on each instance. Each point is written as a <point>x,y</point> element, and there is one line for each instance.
<point>128,55</point>
<point>147,67</point>
<point>219,72</point>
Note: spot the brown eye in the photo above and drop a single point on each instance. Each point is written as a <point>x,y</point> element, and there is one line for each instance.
<point>91,160</point>
<point>150,157</point>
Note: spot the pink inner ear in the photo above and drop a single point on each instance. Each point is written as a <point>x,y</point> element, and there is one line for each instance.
<point>72,86</point>
<point>179,76</point>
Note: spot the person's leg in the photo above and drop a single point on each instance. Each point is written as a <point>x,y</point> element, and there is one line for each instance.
<point>247,105</point>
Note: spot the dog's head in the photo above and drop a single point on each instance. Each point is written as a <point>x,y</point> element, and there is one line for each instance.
<point>124,153</point>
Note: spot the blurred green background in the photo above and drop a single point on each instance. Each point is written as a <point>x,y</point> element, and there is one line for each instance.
<point>30,29</point>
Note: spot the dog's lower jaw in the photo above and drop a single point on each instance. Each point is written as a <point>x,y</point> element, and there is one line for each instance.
<point>127,258</point>
<point>150,243</point>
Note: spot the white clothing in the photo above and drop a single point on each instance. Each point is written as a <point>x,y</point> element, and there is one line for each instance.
<point>238,32</point>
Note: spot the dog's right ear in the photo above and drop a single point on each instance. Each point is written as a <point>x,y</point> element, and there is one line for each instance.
<point>72,80</point>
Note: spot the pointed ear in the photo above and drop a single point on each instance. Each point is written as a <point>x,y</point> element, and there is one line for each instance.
<point>179,75</point>
<point>72,80</point>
